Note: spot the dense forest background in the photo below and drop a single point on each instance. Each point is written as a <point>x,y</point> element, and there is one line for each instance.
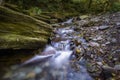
<point>69,6</point>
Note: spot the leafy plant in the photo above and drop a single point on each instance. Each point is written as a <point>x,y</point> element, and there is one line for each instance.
<point>115,7</point>
<point>35,11</point>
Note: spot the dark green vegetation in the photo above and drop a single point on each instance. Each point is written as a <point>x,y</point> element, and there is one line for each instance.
<point>70,6</point>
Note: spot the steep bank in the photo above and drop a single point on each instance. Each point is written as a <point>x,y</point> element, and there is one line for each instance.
<point>19,31</point>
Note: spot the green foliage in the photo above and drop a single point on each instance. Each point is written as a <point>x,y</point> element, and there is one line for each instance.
<point>35,11</point>
<point>115,7</point>
<point>81,6</point>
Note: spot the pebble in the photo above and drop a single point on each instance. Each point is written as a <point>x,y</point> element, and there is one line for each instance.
<point>98,38</point>
<point>107,43</point>
<point>99,63</point>
<point>117,67</point>
<point>113,40</point>
<point>103,27</point>
<point>118,23</point>
<point>30,75</point>
<point>38,70</point>
<point>78,51</point>
<point>94,44</point>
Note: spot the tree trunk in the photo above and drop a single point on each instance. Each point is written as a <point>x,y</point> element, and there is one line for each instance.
<point>89,4</point>
<point>1,1</point>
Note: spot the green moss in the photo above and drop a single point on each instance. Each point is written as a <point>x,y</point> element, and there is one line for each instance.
<point>20,42</point>
<point>19,31</point>
<point>8,15</point>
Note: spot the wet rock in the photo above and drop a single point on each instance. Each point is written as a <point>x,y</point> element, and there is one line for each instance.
<point>78,51</point>
<point>109,69</point>
<point>99,63</point>
<point>67,22</point>
<point>94,44</point>
<point>77,42</point>
<point>117,67</point>
<point>106,75</point>
<point>7,75</point>
<point>84,16</point>
<point>107,43</point>
<point>76,19</point>
<point>97,38</point>
<point>93,69</point>
<point>37,70</point>
<point>30,75</point>
<point>58,39</point>
<point>103,27</point>
<point>48,52</point>
<point>113,40</point>
<point>118,23</point>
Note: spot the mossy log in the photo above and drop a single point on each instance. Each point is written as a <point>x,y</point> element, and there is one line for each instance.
<point>20,31</point>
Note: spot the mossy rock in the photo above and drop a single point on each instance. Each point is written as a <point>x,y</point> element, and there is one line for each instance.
<point>19,31</point>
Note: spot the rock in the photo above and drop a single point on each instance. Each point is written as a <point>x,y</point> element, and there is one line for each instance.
<point>77,42</point>
<point>109,69</point>
<point>113,40</point>
<point>30,75</point>
<point>7,75</point>
<point>107,43</point>
<point>103,27</point>
<point>117,67</point>
<point>99,63</point>
<point>84,16</point>
<point>118,23</point>
<point>78,51</point>
<point>94,44</point>
<point>97,38</point>
<point>20,31</point>
<point>38,70</point>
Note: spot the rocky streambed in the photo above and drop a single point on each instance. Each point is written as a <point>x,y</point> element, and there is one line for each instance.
<point>86,49</point>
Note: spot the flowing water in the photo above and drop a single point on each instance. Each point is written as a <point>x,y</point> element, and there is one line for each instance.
<point>55,62</point>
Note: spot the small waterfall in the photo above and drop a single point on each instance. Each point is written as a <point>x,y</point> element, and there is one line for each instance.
<point>61,58</point>
<point>59,53</point>
<point>54,62</point>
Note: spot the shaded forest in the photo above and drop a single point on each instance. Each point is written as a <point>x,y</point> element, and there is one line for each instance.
<point>70,6</point>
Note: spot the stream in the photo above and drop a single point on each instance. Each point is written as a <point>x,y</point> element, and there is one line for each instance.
<point>86,49</point>
<point>57,61</point>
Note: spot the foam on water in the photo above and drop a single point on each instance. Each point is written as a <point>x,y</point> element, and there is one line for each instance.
<point>54,62</point>
<point>49,48</point>
<point>62,59</point>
